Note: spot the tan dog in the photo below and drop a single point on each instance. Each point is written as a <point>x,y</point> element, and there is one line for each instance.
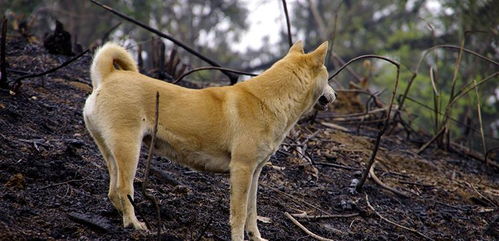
<point>222,129</point>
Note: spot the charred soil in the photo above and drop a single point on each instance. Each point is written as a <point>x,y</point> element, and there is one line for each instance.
<point>53,181</point>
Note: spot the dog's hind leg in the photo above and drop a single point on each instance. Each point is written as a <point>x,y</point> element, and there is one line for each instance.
<point>251,220</point>
<point>106,154</point>
<point>125,151</point>
<point>110,162</point>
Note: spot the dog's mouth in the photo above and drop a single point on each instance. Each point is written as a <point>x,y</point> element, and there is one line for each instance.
<point>322,103</point>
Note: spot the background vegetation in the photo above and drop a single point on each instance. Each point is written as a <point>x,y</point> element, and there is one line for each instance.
<point>401,30</point>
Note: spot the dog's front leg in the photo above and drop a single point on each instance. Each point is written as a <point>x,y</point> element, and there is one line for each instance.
<point>251,220</point>
<point>241,173</point>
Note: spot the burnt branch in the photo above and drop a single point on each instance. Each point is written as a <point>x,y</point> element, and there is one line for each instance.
<point>106,35</point>
<point>232,77</point>
<point>367,56</point>
<point>3,63</point>
<point>387,119</point>
<point>17,82</point>
<point>212,68</point>
<point>304,229</point>
<point>288,24</point>
<point>149,197</point>
<point>488,153</point>
<point>438,135</point>
<point>383,185</point>
<point>394,223</point>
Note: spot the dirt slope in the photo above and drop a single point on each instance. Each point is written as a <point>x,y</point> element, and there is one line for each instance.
<point>52,177</point>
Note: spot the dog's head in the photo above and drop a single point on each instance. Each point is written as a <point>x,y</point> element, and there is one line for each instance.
<point>312,65</point>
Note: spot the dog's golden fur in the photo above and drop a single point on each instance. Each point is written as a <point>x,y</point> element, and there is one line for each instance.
<point>222,129</point>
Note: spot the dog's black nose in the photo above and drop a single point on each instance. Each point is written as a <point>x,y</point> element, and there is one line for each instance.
<point>323,100</point>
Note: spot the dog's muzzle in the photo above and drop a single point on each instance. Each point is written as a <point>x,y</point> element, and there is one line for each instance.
<point>327,97</point>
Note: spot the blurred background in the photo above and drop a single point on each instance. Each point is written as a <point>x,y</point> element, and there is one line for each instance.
<point>250,35</point>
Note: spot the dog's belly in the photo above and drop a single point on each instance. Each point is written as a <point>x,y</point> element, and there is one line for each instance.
<point>195,159</point>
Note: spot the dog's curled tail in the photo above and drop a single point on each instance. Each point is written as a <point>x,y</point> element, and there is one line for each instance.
<point>105,59</point>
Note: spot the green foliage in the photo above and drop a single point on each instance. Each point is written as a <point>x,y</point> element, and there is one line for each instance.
<point>403,31</point>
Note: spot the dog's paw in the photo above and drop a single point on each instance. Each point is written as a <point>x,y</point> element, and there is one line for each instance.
<point>140,226</point>
<point>258,239</point>
<point>136,224</point>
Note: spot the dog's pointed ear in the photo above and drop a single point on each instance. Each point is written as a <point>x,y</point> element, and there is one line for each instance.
<point>319,54</point>
<point>297,48</point>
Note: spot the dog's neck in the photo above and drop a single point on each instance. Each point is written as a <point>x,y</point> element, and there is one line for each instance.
<point>287,94</point>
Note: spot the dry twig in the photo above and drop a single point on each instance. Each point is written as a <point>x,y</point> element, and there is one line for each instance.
<point>383,185</point>
<point>428,51</point>
<point>387,119</point>
<point>481,195</point>
<point>288,24</point>
<point>106,35</point>
<point>423,147</point>
<point>151,198</point>
<point>479,112</point>
<point>233,78</point>
<point>336,165</point>
<point>92,221</point>
<point>296,199</point>
<point>394,223</point>
<point>17,82</point>
<point>67,182</point>
<point>304,215</point>
<point>450,118</point>
<point>463,91</point>
<point>212,68</point>
<point>313,235</point>
<point>3,63</point>
<point>470,153</point>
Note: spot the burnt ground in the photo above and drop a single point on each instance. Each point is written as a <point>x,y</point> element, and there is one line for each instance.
<point>52,178</point>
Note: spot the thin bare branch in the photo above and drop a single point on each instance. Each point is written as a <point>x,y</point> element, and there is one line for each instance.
<point>450,118</point>
<point>368,56</point>
<point>374,96</point>
<point>151,198</point>
<point>472,86</point>
<point>447,116</point>
<point>212,68</point>
<point>479,112</point>
<point>394,223</point>
<point>304,215</point>
<point>333,34</point>
<point>288,24</point>
<point>456,71</point>
<point>233,78</point>
<point>423,147</point>
<point>313,235</point>
<point>383,185</point>
<point>17,82</point>
<point>3,63</point>
<point>428,51</point>
<point>295,199</point>
<point>387,119</point>
<point>436,98</point>
<point>106,35</point>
